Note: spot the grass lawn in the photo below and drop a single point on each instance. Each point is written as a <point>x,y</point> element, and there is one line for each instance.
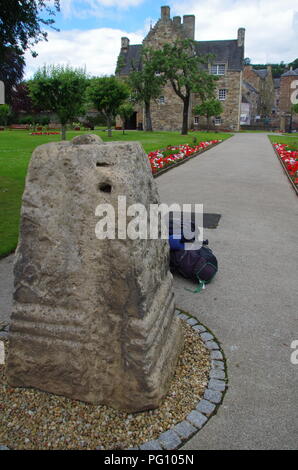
<point>16,148</point>
<point>289,139</point>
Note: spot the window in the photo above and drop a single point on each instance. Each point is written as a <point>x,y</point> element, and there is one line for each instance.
<point>161,100</point>
<point>222,94</point>
<point>218,69</point>
<point>196,120</point>
<point>217,121</point>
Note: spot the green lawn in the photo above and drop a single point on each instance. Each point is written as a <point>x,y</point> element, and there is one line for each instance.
<point>15,151</point>
<point>289,139</point>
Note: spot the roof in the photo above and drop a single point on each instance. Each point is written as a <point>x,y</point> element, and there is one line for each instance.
<point>250,87</point>
<point>226,52</point>
<point>132,56</point>
<point>290,73</point>
<point>261,72</point>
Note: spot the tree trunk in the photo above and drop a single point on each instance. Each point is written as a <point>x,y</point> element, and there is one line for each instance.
<point>109,123</point>
<point>208,123</point>
<point>63,131</point>
<point>184,130</point>
<point>148,121</point>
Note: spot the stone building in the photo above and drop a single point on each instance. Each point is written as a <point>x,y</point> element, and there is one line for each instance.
<point>288,95</point>
<point>258,92</point>
<point>227,64</point>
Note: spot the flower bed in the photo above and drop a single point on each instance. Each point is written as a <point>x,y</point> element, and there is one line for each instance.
<point>172,155</point>
<point>289,158</point>
<point>45,133</point>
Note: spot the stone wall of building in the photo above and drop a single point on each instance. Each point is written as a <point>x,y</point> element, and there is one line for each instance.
<point>230,117</point>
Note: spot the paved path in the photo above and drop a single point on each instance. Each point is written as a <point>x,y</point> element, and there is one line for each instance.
<point>252,304</point>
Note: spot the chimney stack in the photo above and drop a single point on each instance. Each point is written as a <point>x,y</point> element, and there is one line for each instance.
<point>165,13</point>
<point>189,26</point>
<point>124,44</point>
<point>177,20</point>
<point>241,37</point>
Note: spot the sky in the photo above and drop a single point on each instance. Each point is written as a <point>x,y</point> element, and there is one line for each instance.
<point>91,30</point>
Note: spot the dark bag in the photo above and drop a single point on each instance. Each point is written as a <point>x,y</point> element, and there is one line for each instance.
<point>198,265</point>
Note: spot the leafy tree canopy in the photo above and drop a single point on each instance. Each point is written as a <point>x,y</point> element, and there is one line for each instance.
<point>107,94</point>
<point>21,23</point>
<point>186,70</point>
<point>60,89</point>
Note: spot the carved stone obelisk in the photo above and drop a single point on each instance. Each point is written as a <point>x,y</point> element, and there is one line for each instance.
<point>93,319</point>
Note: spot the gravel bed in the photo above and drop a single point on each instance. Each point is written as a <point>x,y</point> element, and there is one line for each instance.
<point>31,419</point>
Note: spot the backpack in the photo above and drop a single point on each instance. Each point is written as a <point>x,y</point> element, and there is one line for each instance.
<point>198,265</point>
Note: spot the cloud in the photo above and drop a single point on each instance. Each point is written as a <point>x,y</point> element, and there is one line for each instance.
<point>94,8</point>
<point>95,49</point>
<point>271,26</point>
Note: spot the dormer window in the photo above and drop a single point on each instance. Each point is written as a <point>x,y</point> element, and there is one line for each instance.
<point>218,69</point>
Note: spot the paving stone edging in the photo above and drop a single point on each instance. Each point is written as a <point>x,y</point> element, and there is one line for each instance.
<point>214,394</point>
<point>177,436</point>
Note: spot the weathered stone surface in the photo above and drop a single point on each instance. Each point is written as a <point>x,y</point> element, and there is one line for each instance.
<point>92,319</point>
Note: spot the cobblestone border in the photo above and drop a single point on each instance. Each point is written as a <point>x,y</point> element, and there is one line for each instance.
<point>176,437</point>
<point>217,386</point>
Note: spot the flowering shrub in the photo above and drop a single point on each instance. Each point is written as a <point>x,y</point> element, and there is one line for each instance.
<point>160,159</point>
<point>290,159</point>
<point>45,133</point>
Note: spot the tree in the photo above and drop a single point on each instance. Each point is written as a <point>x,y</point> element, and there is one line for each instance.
<point>146,84</point>
<point>4,113</point>
<point>209,108</point>
<point>294,64</point>
<point>11,70</point>
<point>125,111</point>
<point>21,100</point>
<point>107,94</point>
<point>184,68</point>
<point>60,89</point>
<point>21,23</point>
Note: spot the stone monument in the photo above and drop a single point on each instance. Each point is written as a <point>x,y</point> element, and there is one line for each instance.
<point>93,319</point>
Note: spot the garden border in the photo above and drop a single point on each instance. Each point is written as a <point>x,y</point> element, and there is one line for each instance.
<point>207,407</point>
<point>174,165</point>
<point>284,167</point>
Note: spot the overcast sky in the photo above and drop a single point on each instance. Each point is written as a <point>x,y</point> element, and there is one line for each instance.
<point>90,30</point>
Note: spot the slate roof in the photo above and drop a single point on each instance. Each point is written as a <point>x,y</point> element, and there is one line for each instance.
<point>250,87</point>
<point>290,73</point>
<point>225,52</point>
<point>132,56</point>
<point>261,72</point>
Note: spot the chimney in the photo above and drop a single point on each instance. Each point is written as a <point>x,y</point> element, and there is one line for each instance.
<point>177,20</point>
<point>124,44</point>
<point>189,26</point>
<point>241,37</point>
<point>165,13</point>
